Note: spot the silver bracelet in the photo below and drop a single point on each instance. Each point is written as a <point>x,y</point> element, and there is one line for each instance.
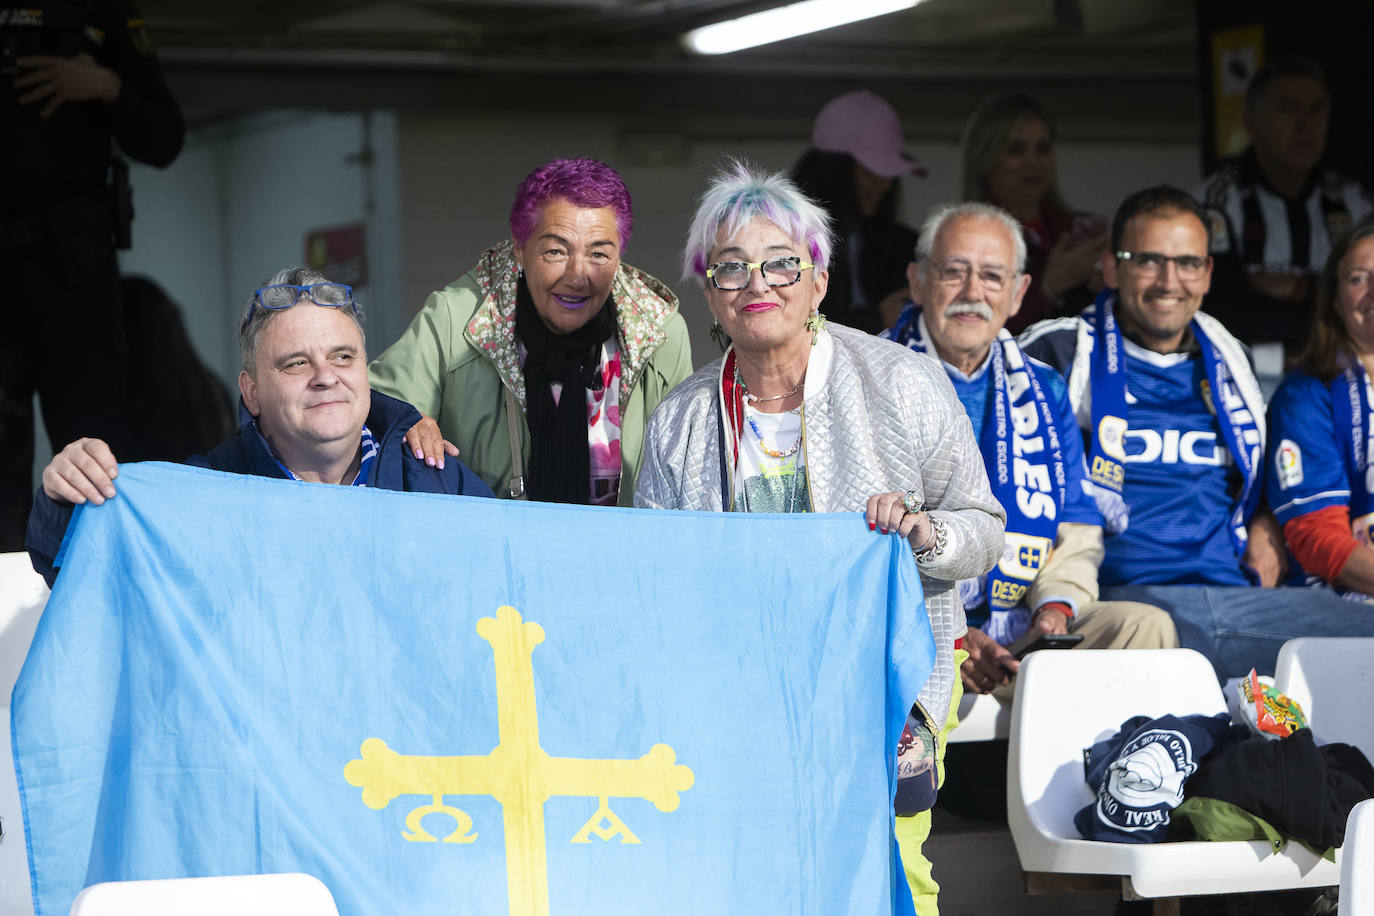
<point>934,548</point>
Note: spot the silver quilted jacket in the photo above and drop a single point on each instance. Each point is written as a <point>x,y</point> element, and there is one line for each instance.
<point>878,417</point>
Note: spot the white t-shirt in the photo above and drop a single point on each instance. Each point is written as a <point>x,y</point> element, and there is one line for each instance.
<point>774,482</point>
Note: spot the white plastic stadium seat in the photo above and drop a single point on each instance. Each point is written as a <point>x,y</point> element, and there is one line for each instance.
<point>1065,701</point>
<point>22,597</point>
<point>234,895</point>
<point>1332,679</point>
<point>1357,862</point>
<point>982,717</point>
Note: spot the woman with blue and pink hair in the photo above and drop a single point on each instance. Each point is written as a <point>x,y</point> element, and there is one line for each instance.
<point>543,362</point>
<point>804,416</point>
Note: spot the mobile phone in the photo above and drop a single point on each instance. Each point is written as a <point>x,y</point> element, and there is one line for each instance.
<point>1020,649</point>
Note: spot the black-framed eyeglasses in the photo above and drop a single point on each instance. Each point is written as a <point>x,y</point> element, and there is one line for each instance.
<point>732,275</point>
<point>284,295</point>
<point>957,273</point>
<point>1150,263</point>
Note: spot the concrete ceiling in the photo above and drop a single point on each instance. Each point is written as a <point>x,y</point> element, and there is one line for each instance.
<point>224,57</point>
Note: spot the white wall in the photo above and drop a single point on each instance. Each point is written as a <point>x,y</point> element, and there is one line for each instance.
<point>458,177</point>
<point>435,190</point>
<point>236,205</point>
<point>178,237</point>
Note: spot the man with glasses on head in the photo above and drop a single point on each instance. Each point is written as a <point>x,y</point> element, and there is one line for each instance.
<point>1173,421</point>
<point>306,414</point>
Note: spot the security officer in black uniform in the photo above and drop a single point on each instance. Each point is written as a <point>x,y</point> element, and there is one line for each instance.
<point>76,77</point>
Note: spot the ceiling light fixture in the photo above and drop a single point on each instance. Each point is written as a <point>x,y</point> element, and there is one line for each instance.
<point>785,22</point>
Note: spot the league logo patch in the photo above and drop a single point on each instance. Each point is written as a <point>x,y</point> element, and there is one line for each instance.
<point>1288,463</point>
<point>1146,780</point>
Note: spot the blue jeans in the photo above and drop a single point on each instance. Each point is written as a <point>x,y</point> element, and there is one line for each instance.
<point>1242,627</point>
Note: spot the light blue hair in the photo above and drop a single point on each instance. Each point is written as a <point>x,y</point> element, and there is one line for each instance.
<point>736,197</point>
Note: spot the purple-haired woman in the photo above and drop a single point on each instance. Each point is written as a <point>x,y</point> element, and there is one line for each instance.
<point>543,362</point>
<point>799,416</point>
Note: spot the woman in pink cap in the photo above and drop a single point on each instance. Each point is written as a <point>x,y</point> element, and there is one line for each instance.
<point>852,169</point>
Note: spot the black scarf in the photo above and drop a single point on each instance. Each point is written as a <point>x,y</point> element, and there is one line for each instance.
<point>560,467</point>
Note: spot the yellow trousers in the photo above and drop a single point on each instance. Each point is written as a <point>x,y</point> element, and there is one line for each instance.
<point>912,831</point>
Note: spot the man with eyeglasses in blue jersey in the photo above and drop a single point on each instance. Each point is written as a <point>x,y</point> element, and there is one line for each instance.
<point>307,414</point>
<point>1173,424</point>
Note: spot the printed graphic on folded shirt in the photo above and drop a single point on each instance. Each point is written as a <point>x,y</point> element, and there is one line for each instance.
<point>1139,774</point>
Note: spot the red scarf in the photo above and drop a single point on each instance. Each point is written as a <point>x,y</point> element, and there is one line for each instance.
<point>733,392</point>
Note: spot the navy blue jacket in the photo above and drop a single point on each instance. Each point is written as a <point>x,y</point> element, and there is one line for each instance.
<point>395,468</point>
<point>1139,774</point>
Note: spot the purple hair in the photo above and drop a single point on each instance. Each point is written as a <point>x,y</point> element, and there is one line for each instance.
<point>581,181</point>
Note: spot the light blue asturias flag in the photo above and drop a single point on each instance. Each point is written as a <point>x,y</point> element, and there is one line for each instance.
<point>444,705</point>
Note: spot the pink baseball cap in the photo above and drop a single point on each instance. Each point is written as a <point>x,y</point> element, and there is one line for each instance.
<point>867,128</point>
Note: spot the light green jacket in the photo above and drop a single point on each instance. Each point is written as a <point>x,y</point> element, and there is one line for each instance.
<point>458,356</point>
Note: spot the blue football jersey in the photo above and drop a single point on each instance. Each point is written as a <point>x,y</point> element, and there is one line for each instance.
<point>1181,481</point>
<point>1306,470</point>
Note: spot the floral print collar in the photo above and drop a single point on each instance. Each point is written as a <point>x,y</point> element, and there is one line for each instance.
<point>643,306</point>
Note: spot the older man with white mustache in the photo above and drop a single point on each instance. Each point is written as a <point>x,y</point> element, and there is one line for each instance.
<point>967,280</point>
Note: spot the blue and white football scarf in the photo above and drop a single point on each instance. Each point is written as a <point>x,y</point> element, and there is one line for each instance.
<point>368,446</point>
<point>1025,461</point>
<point>1350,410</point>
<point>1107,453</point>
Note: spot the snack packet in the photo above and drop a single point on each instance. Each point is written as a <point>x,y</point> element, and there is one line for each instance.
<point>1256,702</point>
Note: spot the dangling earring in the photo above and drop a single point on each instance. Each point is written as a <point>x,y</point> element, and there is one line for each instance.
<point>815,323</point>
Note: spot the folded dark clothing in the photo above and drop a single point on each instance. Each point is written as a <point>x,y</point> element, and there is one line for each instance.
<point>1139,774</point>
<point>1303,790</point>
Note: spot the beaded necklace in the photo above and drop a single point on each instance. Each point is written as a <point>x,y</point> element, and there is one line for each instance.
<point>772,453</point>
<point>737,400</point>
<point>794,493</point>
